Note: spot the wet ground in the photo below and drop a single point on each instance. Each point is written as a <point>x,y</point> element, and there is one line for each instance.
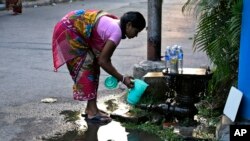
<point>113,131</point>
<point>116,130</point>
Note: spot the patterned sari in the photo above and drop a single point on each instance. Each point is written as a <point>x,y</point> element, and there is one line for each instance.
<point>70,46</point>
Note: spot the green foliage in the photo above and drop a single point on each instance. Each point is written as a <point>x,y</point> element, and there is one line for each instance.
<point>164,134</point>
<point>218,34</point>
<point>137,111</point>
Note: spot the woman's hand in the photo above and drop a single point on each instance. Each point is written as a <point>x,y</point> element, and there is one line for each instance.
<point>128,81</point>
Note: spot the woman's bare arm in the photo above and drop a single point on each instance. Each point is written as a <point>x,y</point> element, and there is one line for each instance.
<point>104,61</point>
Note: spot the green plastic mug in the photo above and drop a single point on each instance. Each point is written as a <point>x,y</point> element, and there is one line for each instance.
<point>111,82</point>
<point>134,94</point>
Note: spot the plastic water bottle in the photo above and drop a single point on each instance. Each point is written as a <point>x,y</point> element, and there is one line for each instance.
<point>167,58</point>
<point>173,60</point>
<point>180,58</point>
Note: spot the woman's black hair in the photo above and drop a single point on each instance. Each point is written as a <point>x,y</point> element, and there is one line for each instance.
<point>136,18</point>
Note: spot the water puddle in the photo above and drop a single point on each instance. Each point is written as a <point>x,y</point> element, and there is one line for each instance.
<point>113,131</point>
<point>128,124</point>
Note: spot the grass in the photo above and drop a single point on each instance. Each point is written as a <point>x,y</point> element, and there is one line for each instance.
<point>164,134</point>
<point>70,116</point>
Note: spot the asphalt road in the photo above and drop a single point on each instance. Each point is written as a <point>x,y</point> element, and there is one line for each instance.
<point>26,70</point>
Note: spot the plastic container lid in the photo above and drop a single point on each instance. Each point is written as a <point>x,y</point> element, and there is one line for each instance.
<point>111,82</point>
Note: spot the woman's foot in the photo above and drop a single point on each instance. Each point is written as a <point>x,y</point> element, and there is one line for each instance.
<point>99,112</point>
<point>98,119</point>
<point>93,113</point>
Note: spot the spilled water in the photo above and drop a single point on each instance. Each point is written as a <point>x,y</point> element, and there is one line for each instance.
<point>113,131</point>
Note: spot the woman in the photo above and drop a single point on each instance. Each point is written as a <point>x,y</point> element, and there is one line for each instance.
<point>15,6</point>
<point>85,40</point>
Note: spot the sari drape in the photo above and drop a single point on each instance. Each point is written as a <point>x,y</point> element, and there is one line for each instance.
<point>70,46</point>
